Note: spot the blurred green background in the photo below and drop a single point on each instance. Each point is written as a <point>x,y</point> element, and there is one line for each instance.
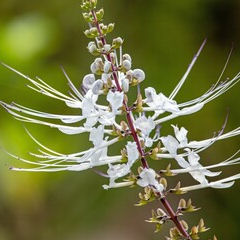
<point>162,36</point>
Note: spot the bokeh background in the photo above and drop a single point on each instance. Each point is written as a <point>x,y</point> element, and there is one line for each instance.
<point>162,36</point>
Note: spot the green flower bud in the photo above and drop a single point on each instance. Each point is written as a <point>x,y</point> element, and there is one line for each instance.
<point>93,3</point>
<point>100,14</point>
<point>117,42</point>
<point>94,31</point>
<point>88,34</point>
<point>104,29</point>
<point>87,17</point>
<point>110,27</point>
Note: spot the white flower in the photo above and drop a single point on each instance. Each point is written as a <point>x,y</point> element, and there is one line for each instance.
<point>150,94</point>
<point>146,125</point>
<point>148,178</point>
<point>160,102</point>
<point>139,75</point>
<point>171,144</point>
<point>107,119</point>
<point>181,135</point>
<point>117,171</point>
<point>132,152</point>
<point>98,156</point>
<point>96,135</point>
<point>197,171</point>
<point>148,141</point>
<point>115,99</point>
<point>166,104</point>
<point>88,109</point>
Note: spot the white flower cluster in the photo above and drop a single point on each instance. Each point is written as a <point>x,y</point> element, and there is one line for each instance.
<point>112,76</point>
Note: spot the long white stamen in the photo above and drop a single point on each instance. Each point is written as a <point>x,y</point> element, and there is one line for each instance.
<point>223,183</point>
<point>178,87</point>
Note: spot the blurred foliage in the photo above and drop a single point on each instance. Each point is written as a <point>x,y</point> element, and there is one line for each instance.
<point>162,36</point>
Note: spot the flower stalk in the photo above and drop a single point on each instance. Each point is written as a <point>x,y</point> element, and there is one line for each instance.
<point>132,128</point>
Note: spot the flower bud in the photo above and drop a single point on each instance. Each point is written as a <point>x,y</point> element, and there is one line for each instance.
<point>93,3</point>
<point>105,77</point>
<point>129,75</point>
<point>117,42</point>
<point>88,81</point>
<point>100,14</point>
<point>97,86</point>
<point>139,74</point>
<point>127,65</point>
<point>99,62</point>
<point>107,66</point>
<point>88,34</point>
<point>127,57</point>
<point>87,17</point>
<point>94,68</point>
<point>97,66</point>
<point>104,29</point>
<point>99,44</point>
<point>110,27</point>
<point>161,213</point>
<point>94,31</point>
<point>92,48</point>
<point>107,47</point>
<point>125,85</point>
<point>113,57</point>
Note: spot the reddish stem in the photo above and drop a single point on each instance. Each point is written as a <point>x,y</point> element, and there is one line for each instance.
<point>134,134</point>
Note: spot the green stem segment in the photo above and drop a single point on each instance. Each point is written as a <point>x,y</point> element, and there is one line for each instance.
<point>130,121</point>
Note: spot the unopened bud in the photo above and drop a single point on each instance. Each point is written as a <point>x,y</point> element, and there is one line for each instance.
<point>127,65</point>
<point>125,85</point>
<point>194,230</point>
<point>163,181</point>
<point>107,66</point>
<point>161,213</point>
<point>139,74</point>
<point>110,27</point>
<point>94,68</point>
<point>107,47</point>
<point>129,75</point>
<point>127,57</point>
<point>97,86</point>
<point>88,81</point>
<point>92,48</point>
<point>88,33</point>
<point>94,31</point>
<point>100,14</point>
<point>87,17</point>
<point>182,204</point>
<point>117,42</point>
